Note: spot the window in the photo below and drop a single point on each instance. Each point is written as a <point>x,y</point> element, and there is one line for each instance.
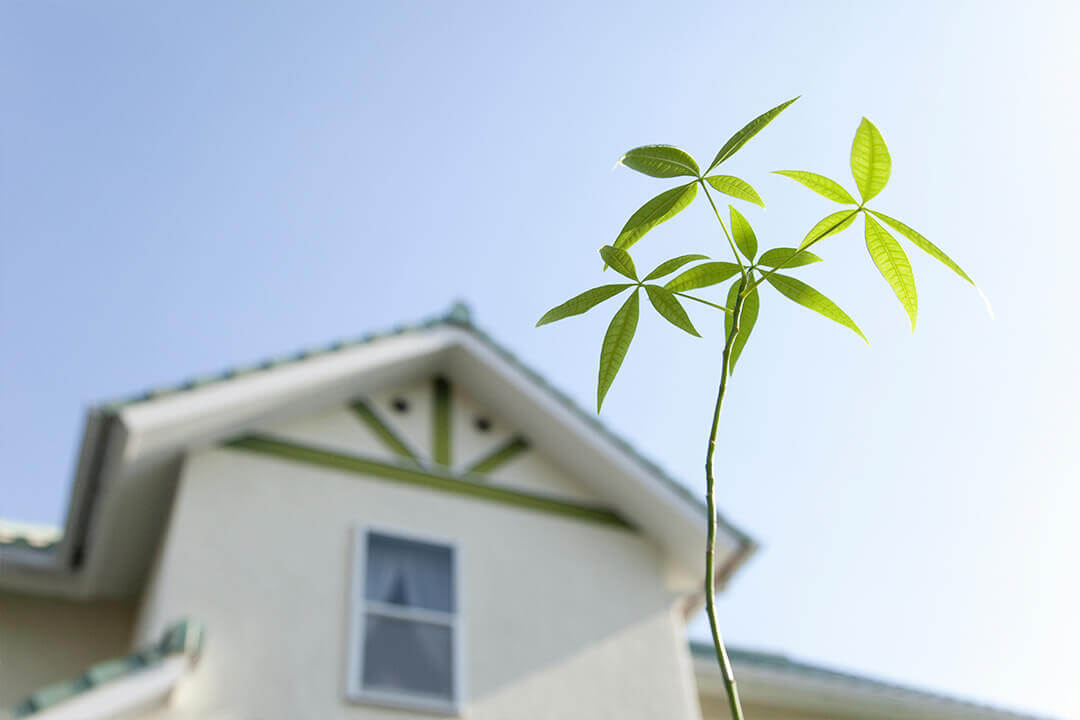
<point>405,640</point>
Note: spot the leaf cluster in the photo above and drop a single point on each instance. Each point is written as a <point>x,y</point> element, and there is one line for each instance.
<point>871,166</point>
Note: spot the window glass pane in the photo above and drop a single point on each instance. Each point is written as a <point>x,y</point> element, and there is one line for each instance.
<point>407,656</point>
<point>409,573</point>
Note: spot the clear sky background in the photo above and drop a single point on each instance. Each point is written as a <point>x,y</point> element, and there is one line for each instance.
<point>188,186</point>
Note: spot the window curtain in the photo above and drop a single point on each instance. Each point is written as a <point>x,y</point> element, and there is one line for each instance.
<point>409,574</point>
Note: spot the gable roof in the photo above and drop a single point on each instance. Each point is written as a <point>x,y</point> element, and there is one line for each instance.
<point>132,447</point>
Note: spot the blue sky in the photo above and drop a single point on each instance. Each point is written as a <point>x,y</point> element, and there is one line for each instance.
<point>184,188</point>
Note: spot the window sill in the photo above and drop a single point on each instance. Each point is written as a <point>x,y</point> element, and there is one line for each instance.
<point>405,702</point>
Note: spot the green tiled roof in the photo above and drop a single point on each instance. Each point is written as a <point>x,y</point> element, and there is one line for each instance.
<point>182,638</point>
<point>30,537</point>
<point>781,663</point>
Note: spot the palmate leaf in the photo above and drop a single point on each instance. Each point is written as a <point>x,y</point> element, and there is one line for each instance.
<point>736,188</point>
<point>661,161</point>
<point>669,266</point>
<point>787,257</point>
<point>829,225</point>
<point>923,244</point>
<point>704,275</point>
<point>893,263</point>
<point>808,297</point>
<point>743,234</point>
<point>661,208</point>
<point>750,308</point>
<point>582,303</point>
<point>668,306</point>
<point>820,184</point>
<point>748,131</point>
<point>616,342</point>
<point>870,161</point>
<point>620,260</point>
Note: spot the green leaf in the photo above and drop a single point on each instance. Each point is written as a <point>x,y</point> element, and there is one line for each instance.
<point>748,131</point>
<point>616,342</point>
<point>870,161</point>
<point>620,260</point>
<point>808,297</point>
<point>922,243</point>
<point>749,315</point>
<point>661,208</point>
<point>829,225</point>
<point>704,275</point>
<point>893,263</point>
<point>661,161</point>
<point>736,188</point>
<point>743,234</point>
<point>820,184</point>
<point>787,257</point>
<point>582,303</point>
<point>669,266</point>
<point>668,306</point>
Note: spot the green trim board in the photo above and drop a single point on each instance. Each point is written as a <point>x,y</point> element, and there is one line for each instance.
<point>434,478</point>
<point>500,455</point>
<point>185,637</point>
<point>393,442</point>
<point>440,421</point>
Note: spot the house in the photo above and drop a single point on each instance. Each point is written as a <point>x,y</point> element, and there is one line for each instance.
<point>408,525</point>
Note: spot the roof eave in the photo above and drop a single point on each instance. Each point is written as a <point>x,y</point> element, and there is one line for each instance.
<point>57,569</point>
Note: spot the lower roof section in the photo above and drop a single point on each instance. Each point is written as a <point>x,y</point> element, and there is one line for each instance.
<point>115,688</point>
<point>801,689</point>
<point>766,680</point>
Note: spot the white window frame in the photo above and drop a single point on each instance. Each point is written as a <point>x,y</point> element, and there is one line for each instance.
<point>359,606</point>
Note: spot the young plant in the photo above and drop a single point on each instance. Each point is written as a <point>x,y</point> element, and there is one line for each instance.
<point>870,166</point>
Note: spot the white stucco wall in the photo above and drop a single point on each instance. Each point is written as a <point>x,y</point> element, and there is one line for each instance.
<point>336,429</point>
<point>562,618</point>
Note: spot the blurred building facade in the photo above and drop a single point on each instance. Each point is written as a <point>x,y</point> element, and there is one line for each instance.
<point>408,525</point>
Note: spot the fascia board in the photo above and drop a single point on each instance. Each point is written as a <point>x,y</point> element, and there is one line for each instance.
<point>200,415</point>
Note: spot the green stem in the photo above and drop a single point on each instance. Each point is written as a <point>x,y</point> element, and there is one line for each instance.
<point>703,302</point>
<point>734,250</point>
<point>710,498</point>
